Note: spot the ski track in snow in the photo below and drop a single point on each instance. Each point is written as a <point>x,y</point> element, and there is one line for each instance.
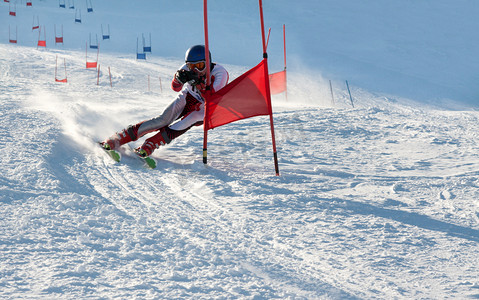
<point>373,202</point>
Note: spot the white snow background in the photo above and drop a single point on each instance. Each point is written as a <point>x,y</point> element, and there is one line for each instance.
<point>375,201</point>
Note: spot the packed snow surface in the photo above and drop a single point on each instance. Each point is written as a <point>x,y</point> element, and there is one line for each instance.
<point>375,201</point>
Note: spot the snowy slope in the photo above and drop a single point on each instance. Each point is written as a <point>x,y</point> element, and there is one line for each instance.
<point>378,201</point>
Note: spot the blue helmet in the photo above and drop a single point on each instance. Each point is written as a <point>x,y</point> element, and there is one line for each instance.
<point>196,53</point>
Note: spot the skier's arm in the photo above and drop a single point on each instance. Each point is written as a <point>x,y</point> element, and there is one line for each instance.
<point>219,78</point>
<point>177,83</point>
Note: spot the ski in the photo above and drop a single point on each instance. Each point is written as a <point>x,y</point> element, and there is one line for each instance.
<point>148,161</point>
<point>115,155</point>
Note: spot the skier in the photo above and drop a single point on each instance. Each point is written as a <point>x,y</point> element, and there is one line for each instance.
<point>187,108</point>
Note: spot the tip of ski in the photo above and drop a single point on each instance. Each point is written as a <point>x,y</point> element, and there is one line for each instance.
<point>115,155</point>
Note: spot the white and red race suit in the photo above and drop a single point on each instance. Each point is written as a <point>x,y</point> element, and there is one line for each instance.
<point>187,109</point>
<point>190,110</point>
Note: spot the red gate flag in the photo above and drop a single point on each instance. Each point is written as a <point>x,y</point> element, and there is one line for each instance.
<point>247,96</point>
<point>242,98</point>
<point>277,82</point>
<point>65,80</point>
<point>91,65</point>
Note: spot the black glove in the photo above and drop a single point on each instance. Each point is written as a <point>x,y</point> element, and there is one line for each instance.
<point>184,76</point>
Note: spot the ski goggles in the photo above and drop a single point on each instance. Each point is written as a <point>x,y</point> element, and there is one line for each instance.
<point>200,65</point>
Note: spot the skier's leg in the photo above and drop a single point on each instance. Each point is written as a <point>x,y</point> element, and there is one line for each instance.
<point>169,115</point>
<point>122,137</point>
<point>167,134</point>
<point>134,132</point>
<point>154,142</point>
